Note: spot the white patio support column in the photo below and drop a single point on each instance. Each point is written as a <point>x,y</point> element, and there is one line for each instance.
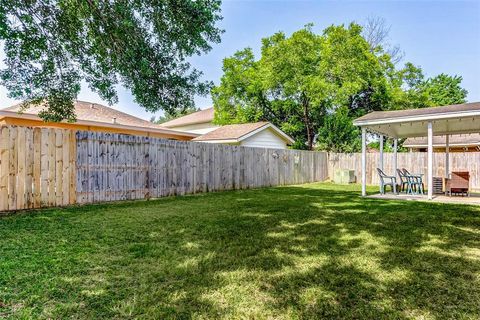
<point>364,161</point>
<point>380,160</point>
<point>430,160</point>
<point>395,162</point>
<point>447,156</point>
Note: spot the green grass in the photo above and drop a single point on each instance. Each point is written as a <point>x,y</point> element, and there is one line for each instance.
<point>312,251</point>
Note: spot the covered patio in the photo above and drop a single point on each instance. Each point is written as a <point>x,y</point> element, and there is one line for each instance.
<point>427,122</point>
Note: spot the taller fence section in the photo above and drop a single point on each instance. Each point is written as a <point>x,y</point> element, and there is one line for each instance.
<point>37,167</point>
<point>114,167</point>
<point>415,162</point>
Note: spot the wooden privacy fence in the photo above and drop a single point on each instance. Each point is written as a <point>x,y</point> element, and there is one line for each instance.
<point>415,162</point>
<point>117,167</point>
<point>42,167</point>
<point>37,168</point>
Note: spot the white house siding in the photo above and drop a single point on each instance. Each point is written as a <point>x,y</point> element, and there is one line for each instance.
<point>200,128</point>
<point>265,139</point>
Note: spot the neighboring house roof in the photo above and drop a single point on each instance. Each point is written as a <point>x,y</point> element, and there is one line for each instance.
<point>202,116</point>
<point>423,112</point>
<point>239,132</point>
<point>93,112</point>
<point>98,115</point>
<point>458,140</point>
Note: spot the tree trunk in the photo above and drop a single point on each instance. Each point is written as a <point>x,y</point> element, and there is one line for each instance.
<point>309,138</point>
<point>308,123</point>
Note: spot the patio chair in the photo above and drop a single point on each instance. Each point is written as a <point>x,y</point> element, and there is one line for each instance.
<point>459,183</point>
<point>387,181</point>
<point>403,185</point>
<point>414,182</point>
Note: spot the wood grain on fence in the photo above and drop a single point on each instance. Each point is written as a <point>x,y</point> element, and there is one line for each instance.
<point>415,162</point>
<point>113,167</point>
<point>41,167</point>
<point>37,167</point>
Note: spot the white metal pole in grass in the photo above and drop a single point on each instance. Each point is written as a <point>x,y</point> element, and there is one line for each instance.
<point>364,161</point>
<point>447,156</point>
<point>430,160</point>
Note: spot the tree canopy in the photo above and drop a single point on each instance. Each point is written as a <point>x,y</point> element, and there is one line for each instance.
<point>444,90</point>
<point>312,85</point>
<point>300,79</point>
<point>51,46</point>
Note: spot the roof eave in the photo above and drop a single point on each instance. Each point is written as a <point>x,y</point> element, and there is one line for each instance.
<point>418,118</point>
<point>218,140</point>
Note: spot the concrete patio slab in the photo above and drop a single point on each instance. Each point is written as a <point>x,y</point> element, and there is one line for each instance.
<point>473,199</point>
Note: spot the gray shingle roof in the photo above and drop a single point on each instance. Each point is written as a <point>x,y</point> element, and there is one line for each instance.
<point>231,132</point>
<point>201,116</point>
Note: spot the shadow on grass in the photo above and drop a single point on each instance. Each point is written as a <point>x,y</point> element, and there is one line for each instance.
<point>307,252</point>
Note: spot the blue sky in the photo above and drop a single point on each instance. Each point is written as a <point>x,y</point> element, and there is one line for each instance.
<point>439,36</point>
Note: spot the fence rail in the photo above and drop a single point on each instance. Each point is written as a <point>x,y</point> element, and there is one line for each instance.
<point>42,167</point>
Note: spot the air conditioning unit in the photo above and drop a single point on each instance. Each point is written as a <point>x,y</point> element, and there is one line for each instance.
<point>343,176</point>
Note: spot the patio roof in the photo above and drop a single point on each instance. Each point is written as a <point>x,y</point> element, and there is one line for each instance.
<point>430,122</point>
<point>452,119</point>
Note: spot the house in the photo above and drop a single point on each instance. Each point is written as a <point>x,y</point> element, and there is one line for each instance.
<point>93,117</point>
<point>457,143</point>
<point>200,122</point>
<point>258,134</point>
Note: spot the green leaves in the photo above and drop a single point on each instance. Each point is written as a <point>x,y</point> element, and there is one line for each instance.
<point>298,80</point>
<point>338,134</point>
<point>444,90</point>
<point>413,91</point>
<point>313,85</point>
<point>51,46</point>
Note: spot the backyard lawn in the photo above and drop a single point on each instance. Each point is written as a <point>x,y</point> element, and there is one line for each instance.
<point>311,251</point>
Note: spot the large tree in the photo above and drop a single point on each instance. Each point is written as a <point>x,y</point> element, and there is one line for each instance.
<point>51,46</point>
<point>313,85</point>
<point>300,79</point>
